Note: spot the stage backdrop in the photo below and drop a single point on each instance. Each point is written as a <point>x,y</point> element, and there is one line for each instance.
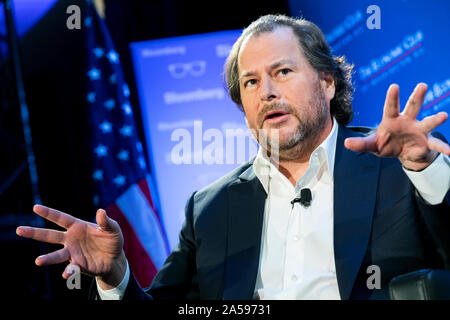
<point>186,110</point>
<point>194,132</point>
<point>410,46</point>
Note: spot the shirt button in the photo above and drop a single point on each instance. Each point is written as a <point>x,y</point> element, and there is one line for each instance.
<point>294,278</point>
<point>295,238</point>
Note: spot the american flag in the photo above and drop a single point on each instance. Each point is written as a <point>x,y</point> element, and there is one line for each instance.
<point>121,178</point>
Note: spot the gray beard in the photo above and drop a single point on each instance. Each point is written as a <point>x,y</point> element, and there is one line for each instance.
<point>308,129</point>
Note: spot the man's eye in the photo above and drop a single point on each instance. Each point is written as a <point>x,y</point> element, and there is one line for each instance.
<point>250,82</point>
<point>284,71</point>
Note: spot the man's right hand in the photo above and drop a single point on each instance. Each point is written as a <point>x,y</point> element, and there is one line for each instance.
<point>97,249</point>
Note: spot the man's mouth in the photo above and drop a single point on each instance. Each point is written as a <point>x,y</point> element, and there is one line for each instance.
<point>276,116</point>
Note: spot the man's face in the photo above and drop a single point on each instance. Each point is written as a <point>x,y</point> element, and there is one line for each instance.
<point>280,89</point>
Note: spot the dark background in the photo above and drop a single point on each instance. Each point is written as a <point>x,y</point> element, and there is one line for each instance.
<point>54,74</point>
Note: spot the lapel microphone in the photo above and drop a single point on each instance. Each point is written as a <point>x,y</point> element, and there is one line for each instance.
<point>305,198</point>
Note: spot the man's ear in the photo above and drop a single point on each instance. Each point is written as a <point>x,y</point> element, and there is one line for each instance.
<point>327,82</point>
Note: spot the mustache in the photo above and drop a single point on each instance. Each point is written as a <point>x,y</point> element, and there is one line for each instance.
<point>273,106</point>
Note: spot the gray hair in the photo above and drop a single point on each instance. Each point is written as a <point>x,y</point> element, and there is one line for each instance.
<point>316,51</point>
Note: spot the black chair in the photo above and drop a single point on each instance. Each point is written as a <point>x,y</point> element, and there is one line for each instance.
<point>425,284</point>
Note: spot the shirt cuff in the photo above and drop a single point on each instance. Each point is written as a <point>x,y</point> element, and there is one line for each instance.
<point>433,182</point>
<point>118,292</point>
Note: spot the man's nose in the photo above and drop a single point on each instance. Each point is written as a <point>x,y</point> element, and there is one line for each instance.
<point>268,90</point>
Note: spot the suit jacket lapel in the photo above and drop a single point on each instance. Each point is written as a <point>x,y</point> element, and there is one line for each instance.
<point>246,199</point>
<point>355,188</point>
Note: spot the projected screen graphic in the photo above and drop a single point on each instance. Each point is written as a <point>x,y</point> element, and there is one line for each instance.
<point>411,46</point>
<point>194,132</point>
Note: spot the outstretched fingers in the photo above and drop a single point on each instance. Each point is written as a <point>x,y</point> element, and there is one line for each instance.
<point>432,122</point>
<point>415,101</point>
<point>60,218</point>
<point>392,102</point>
<point>364,144</point>
<point>40,234</point>
<point>438,145</point>
<point>104,222</point>
<point>70,270</point>
<point>54,257</point>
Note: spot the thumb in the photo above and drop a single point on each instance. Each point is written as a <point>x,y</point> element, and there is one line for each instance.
<point>105,222</point>
<point>365,144</point>
<point>71,269</point>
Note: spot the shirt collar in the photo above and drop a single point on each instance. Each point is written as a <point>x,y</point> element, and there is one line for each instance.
<point>264,168</point>
<point>329,145</point>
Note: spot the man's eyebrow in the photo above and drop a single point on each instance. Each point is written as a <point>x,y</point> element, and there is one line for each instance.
<point>247,74</point>
<point>282,62</point>
<point>273,66</point>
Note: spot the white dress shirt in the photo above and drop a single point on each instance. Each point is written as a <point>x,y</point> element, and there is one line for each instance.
<point>297,249</point>
<point>118,292</point>
<point>297,253</point>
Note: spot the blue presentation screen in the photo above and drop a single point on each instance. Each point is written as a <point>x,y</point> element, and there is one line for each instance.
<point>411,46</point>
<point>194,132</point>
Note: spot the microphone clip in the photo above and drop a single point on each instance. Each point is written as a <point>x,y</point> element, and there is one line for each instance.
<point>304,199</point>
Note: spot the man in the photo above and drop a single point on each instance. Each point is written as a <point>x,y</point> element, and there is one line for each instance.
<point>245,238</point>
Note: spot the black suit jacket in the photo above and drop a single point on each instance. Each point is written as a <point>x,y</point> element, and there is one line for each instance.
<point>378,220</point>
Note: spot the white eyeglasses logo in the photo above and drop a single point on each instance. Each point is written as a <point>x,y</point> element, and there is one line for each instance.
<point>194,68</point>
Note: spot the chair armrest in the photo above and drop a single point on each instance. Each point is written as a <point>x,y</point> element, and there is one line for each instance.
<point>425,284</point>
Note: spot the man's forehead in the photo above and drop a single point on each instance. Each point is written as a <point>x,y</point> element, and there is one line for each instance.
<point>280,30</point>
<point>270,47</point>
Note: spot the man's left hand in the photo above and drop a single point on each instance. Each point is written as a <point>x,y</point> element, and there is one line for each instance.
<point>401,135</point>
